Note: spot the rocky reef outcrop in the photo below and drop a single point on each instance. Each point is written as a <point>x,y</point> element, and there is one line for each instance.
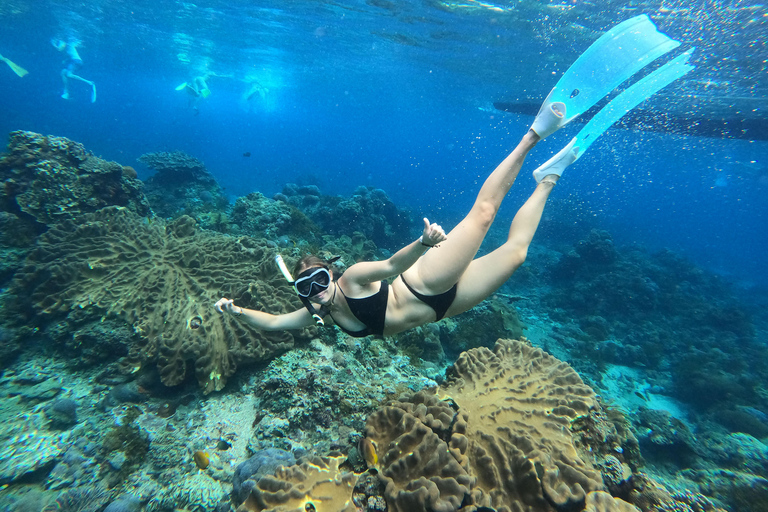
<point>49,179</point>
<point>46,180</point>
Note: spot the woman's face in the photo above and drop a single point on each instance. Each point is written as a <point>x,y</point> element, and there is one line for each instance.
<point>315,283</point>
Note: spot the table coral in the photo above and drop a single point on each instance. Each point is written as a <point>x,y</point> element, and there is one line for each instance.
<point>52,178</point>
<point>162,279</point>
<point>177,167</point>
<point>183,186</point>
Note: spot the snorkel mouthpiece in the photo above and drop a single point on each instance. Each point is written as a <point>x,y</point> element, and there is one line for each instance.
<point>287,274</point>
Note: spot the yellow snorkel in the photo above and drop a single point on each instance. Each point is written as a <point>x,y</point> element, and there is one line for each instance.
<point>287,273</point>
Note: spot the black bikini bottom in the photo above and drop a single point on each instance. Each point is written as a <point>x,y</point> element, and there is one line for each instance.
<point>440,303</point>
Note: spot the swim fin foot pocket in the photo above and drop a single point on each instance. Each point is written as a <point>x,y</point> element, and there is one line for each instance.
<point>551,117</point>
<point>607,63</point>
<point>557,164</point>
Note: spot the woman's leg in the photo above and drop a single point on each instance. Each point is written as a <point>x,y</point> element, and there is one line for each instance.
<point>485,275</point>
<point>439,269</point>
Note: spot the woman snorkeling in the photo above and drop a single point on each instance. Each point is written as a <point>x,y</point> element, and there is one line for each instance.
<point>440,283</point>
<point>447,279</point>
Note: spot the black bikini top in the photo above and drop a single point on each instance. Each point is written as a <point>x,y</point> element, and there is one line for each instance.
<point>371,311</point>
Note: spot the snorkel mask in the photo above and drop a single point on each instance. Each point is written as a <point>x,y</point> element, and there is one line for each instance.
<point>312,281</point>
<point>309,284</point>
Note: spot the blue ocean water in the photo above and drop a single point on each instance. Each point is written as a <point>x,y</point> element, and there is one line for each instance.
<point>399,95</point>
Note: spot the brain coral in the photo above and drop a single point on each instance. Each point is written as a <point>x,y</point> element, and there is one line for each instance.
<point>51,178</point>
<point>162,279</point>
<point>497,434</point>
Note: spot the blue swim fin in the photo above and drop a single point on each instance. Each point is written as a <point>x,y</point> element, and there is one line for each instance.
<point>20,71</point>
<point>613,58</point>
<point>613,111</point>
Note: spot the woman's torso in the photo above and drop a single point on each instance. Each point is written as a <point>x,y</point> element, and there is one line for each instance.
<point>403,309</point>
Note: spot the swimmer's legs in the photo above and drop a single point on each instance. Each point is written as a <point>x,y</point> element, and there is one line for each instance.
<point>486,274</point>
<point>66,74</point>
<point>439,269</point>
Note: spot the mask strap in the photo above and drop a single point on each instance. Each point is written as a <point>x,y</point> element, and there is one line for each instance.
<point>304,300</point>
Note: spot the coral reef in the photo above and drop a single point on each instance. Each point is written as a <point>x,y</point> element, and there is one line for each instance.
<point>256,215</point>
<point>659,312</point>
<point>319,396</point>
<point>504,413</point>
<point>194,492</point>
<point>25,447</point>
<point>87,498</point>
<point>512,429</point>
<point>316,484</point>
<point>48,179</point>
<point>162,280</point>
<point>76,467</point>
<point>369,211</point>
<point>261,463</point>
<point>181,186</point>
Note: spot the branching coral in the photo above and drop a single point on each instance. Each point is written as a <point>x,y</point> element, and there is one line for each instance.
<point>163,280</point>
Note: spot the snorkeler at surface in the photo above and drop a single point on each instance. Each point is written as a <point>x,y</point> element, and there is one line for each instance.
<point>197,89</point>
<point>72,64</point>
<point>447,280</point>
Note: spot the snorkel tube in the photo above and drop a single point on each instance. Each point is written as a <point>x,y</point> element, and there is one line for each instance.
<point>287,273</point>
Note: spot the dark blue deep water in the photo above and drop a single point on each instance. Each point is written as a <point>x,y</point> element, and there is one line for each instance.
<point>399,95</point>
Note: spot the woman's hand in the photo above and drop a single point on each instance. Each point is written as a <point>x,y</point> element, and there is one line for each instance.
<point>433,234</point>
<point>225,304</point>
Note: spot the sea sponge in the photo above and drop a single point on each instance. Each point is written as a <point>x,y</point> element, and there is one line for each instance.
<point>162,279</point>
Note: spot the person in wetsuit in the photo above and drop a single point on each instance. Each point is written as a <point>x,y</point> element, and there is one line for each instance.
<point>440,283</point>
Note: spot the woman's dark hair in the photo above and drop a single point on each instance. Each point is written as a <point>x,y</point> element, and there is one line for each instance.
<point>309,261</point>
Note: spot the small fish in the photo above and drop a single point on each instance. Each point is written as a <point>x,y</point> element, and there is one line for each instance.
<point>368,452</point>
<point>575,93</point>
<point>201,458</point>
<point>641,395</point>
<point>247,154</point>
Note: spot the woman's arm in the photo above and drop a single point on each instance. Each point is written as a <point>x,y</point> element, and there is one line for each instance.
<point>370,271</point>
<point>265,321</point>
